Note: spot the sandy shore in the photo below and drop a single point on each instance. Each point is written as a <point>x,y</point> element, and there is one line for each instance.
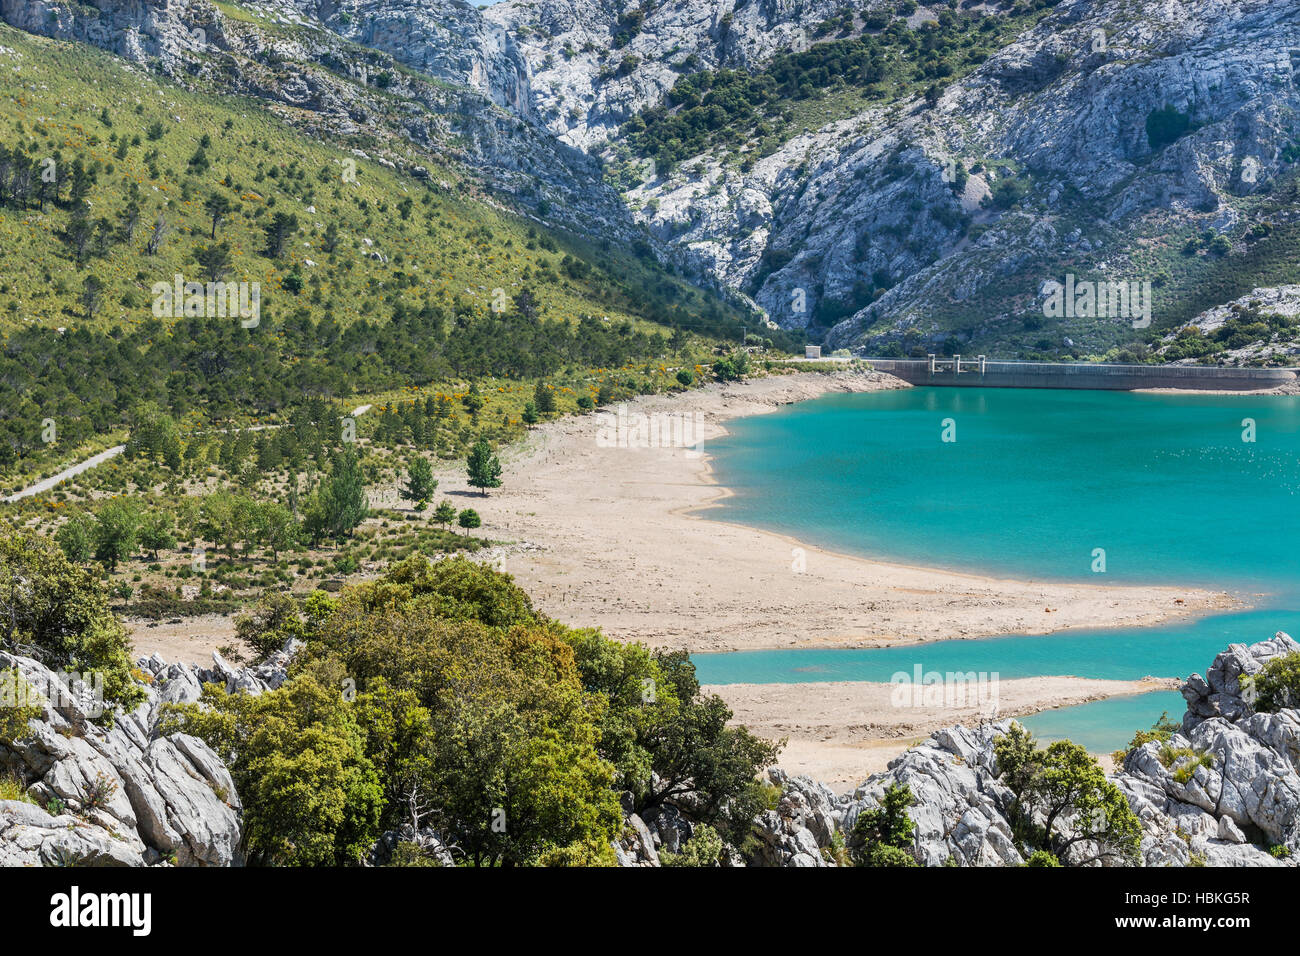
<point>624,539</point>
<point>841,732</point>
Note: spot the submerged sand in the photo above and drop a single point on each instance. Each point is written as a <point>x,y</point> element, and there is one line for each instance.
<point>840,732</point>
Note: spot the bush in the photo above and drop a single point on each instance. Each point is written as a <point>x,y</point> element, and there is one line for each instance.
<point>1277,686</point>
<point>60,613</point>
<point>704,848</point>
<point>882,836</point>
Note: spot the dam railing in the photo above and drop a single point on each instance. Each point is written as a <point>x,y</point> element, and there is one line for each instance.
<point>989,373</point>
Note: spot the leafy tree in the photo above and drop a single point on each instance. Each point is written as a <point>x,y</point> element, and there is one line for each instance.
<point>117,529</point>
<point>58,613</point>
<point>484,467</point>
<point>473,714</point>
<point>882,836</point>
<point>272,621</point>
<point>1063,802</point>
<point>697,755</point>
<point>469,519</point>
<point>157,532</point>
<point>420,483</point>
<point>279,529</point>
<point>311,796</point>
<point>76,538</point>
<point>458,589</point>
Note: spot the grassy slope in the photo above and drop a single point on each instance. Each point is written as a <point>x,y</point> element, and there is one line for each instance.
<point>452,249</point>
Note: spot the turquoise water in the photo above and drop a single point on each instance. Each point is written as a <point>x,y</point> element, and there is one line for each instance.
<point>1105,725</point>
<point>1034,483</point>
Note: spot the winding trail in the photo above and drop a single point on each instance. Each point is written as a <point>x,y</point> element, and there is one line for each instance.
<point>45,484</point>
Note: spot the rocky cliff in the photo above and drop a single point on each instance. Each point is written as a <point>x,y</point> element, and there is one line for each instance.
<point>124,796</point>
<point>1097,142</point>
<point>595,63</point>
<point>119,797</point>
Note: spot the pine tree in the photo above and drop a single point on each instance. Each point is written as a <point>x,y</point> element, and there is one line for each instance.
<point>484,467</point>
<point>340,503</point>
<point>445,513</point>
<point>420,483</point>
<point>544,398</point>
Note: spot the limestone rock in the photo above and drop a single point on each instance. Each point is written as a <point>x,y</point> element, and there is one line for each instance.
<point>117,795</point>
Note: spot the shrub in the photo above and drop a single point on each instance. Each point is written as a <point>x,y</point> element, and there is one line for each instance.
<point>1277,685</point>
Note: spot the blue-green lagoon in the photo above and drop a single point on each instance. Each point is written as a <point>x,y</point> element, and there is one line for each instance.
<point>1037,484</point>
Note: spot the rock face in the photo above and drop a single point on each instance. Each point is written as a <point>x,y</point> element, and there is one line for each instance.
<point>805,821</point>
<point>595,63</point>
<point>443,38</point>
<point>1232,791</point>
<point>961,808</point>
<point>123,796</point>
<point>863,226</point>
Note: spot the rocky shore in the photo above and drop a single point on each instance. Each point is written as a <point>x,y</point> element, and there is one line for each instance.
<point>1240,806</point>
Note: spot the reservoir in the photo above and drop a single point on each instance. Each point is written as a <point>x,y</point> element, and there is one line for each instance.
<point>1098,486</point>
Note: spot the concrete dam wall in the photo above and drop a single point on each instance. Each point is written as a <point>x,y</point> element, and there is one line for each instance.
<point>981,373</point>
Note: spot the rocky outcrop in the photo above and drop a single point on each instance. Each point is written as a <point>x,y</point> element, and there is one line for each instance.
<point>595,63</point>
<point>119,796</point>
<point>961,808</point>
<point>182,683</point>
<point>1225,791</point>
<point>448,39</point>
<point>804,823</point>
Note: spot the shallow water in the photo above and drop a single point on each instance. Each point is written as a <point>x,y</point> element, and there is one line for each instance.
<point>1034,484</point>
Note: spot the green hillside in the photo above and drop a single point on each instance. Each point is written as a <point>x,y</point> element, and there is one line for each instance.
<point>371,279</point>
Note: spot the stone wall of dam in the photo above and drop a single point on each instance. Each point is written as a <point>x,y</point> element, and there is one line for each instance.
<point>979,373</point>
